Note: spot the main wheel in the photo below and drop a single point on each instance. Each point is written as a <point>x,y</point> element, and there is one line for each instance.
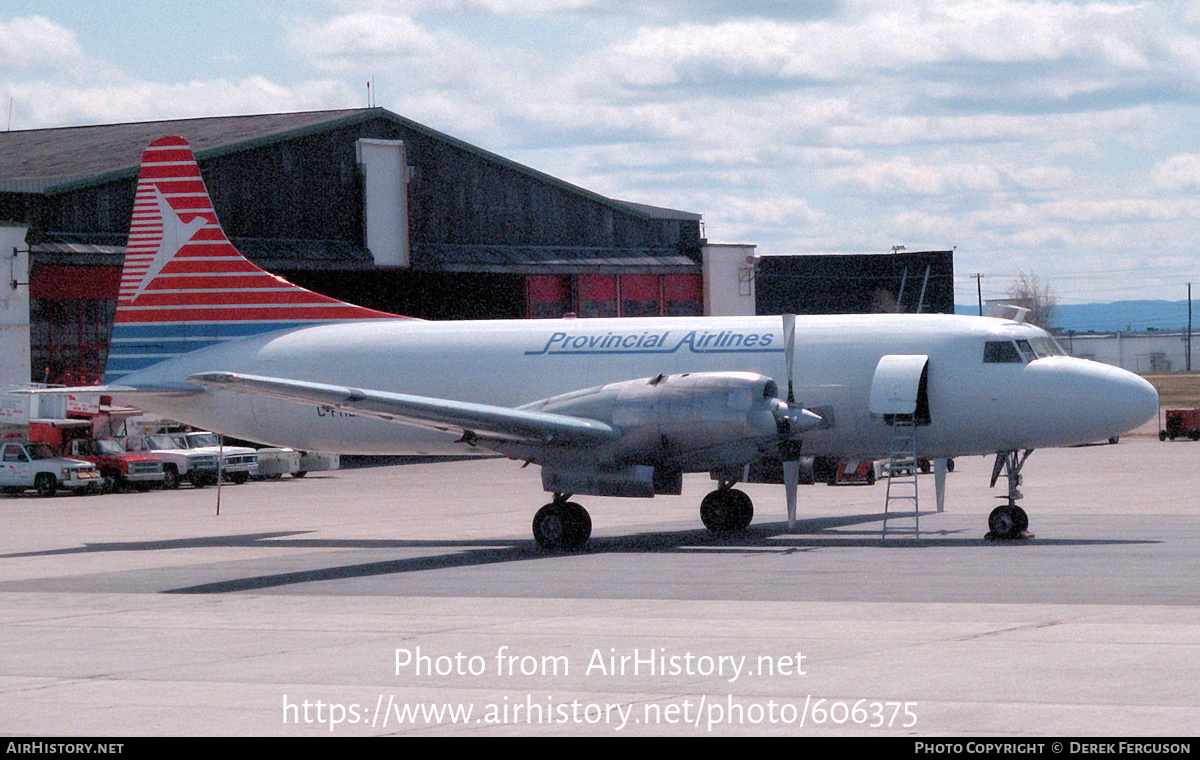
<point>723,511</point>
<point>562,526</point>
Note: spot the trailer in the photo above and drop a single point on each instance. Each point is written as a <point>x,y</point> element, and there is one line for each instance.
<point>1179,423</point>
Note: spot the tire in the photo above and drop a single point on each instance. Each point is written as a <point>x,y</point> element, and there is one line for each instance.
<point>1008,522</point>
<point>170,478</point>
<point>562,526</point>
<point>726,511</point>
<point>46,484</point>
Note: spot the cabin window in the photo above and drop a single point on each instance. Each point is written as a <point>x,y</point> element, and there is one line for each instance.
<point>1001,352</point>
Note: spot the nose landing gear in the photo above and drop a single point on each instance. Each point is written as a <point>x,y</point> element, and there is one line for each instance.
<point>1009,521</point>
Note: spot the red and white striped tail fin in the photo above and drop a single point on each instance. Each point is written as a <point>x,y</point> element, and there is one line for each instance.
<point>185,286</point>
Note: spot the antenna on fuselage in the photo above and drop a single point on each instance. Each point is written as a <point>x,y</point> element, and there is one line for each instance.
<point>1018,314</point>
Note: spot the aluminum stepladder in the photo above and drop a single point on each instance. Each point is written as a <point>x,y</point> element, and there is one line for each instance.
<point>902,475</point>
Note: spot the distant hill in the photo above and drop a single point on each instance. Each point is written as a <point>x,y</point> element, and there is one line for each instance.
<point>1118,316</point>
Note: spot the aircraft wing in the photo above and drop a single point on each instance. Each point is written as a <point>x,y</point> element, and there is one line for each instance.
<point>472,421</point>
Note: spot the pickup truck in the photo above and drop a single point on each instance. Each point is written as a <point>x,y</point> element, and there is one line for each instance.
<point>117,466</point>
<point>179,463</point>
<point>238,463</point>
<point>38,465</point>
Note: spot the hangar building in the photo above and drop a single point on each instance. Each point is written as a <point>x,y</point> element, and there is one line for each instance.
<point>362,205</point>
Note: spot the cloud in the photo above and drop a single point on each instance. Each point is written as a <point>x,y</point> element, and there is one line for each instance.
<point>1179,173</point>
<point>36,42</point>
<point>347,42</point>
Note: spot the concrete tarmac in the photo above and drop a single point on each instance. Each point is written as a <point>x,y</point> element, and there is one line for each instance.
<point>411,600</point>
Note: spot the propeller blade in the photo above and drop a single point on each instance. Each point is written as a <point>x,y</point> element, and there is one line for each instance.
<point>791,481</point>
<point>789,344</point>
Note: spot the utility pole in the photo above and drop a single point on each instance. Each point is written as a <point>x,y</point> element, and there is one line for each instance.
<point>979,290</point>
<point>1189,333</point>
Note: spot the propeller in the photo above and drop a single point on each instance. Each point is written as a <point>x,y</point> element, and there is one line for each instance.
<point>791,419</point>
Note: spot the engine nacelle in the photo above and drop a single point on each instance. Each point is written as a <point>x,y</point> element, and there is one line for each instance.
<point>664,418</point>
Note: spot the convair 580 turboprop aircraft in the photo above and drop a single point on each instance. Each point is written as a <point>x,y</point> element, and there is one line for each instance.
<point>617,407</point>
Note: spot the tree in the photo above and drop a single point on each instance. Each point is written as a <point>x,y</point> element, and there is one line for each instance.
<point>1029,292</point>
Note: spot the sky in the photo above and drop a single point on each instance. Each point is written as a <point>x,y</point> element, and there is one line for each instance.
<point>1056,139</point>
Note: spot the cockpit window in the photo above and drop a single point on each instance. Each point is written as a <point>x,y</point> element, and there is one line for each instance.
<point>1047,346</point>
<point>1020,351</point>
<point>1001,352</point>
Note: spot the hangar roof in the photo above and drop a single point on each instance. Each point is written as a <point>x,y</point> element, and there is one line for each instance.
<point>66,154</point>
<point>50,160</point>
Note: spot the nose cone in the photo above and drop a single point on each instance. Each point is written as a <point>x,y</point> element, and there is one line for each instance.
<point>1096,401</point>
<point>1144,402</point>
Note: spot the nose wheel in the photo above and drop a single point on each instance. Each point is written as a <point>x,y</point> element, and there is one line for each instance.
<point>1009,521</point>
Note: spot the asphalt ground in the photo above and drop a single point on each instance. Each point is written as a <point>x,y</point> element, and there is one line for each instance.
<point>409,599</point>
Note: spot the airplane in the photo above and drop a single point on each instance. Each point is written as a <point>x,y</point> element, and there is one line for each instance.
<point>611,407</point>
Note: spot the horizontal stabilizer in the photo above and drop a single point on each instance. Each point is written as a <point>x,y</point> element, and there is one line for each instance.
<point>457,417</point>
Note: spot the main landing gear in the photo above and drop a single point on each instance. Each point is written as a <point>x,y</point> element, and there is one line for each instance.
<point>1008,521</point>
<point>563,525</point>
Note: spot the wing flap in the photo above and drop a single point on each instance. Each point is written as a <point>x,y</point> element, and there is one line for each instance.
<point>456,417</point>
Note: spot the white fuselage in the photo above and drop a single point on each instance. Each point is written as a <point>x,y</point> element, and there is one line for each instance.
<point>975,407</point>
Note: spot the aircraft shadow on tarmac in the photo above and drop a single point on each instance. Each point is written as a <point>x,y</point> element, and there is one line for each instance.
<point>772,537</point>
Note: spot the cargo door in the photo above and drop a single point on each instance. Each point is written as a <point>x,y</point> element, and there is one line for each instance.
<point>900,388</point>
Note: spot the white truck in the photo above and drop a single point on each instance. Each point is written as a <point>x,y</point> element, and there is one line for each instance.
<point>238,463</point>
<point>179,462</point>
<point>38,465</point>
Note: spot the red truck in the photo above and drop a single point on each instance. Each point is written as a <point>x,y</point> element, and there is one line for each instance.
<point>117,466</point>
